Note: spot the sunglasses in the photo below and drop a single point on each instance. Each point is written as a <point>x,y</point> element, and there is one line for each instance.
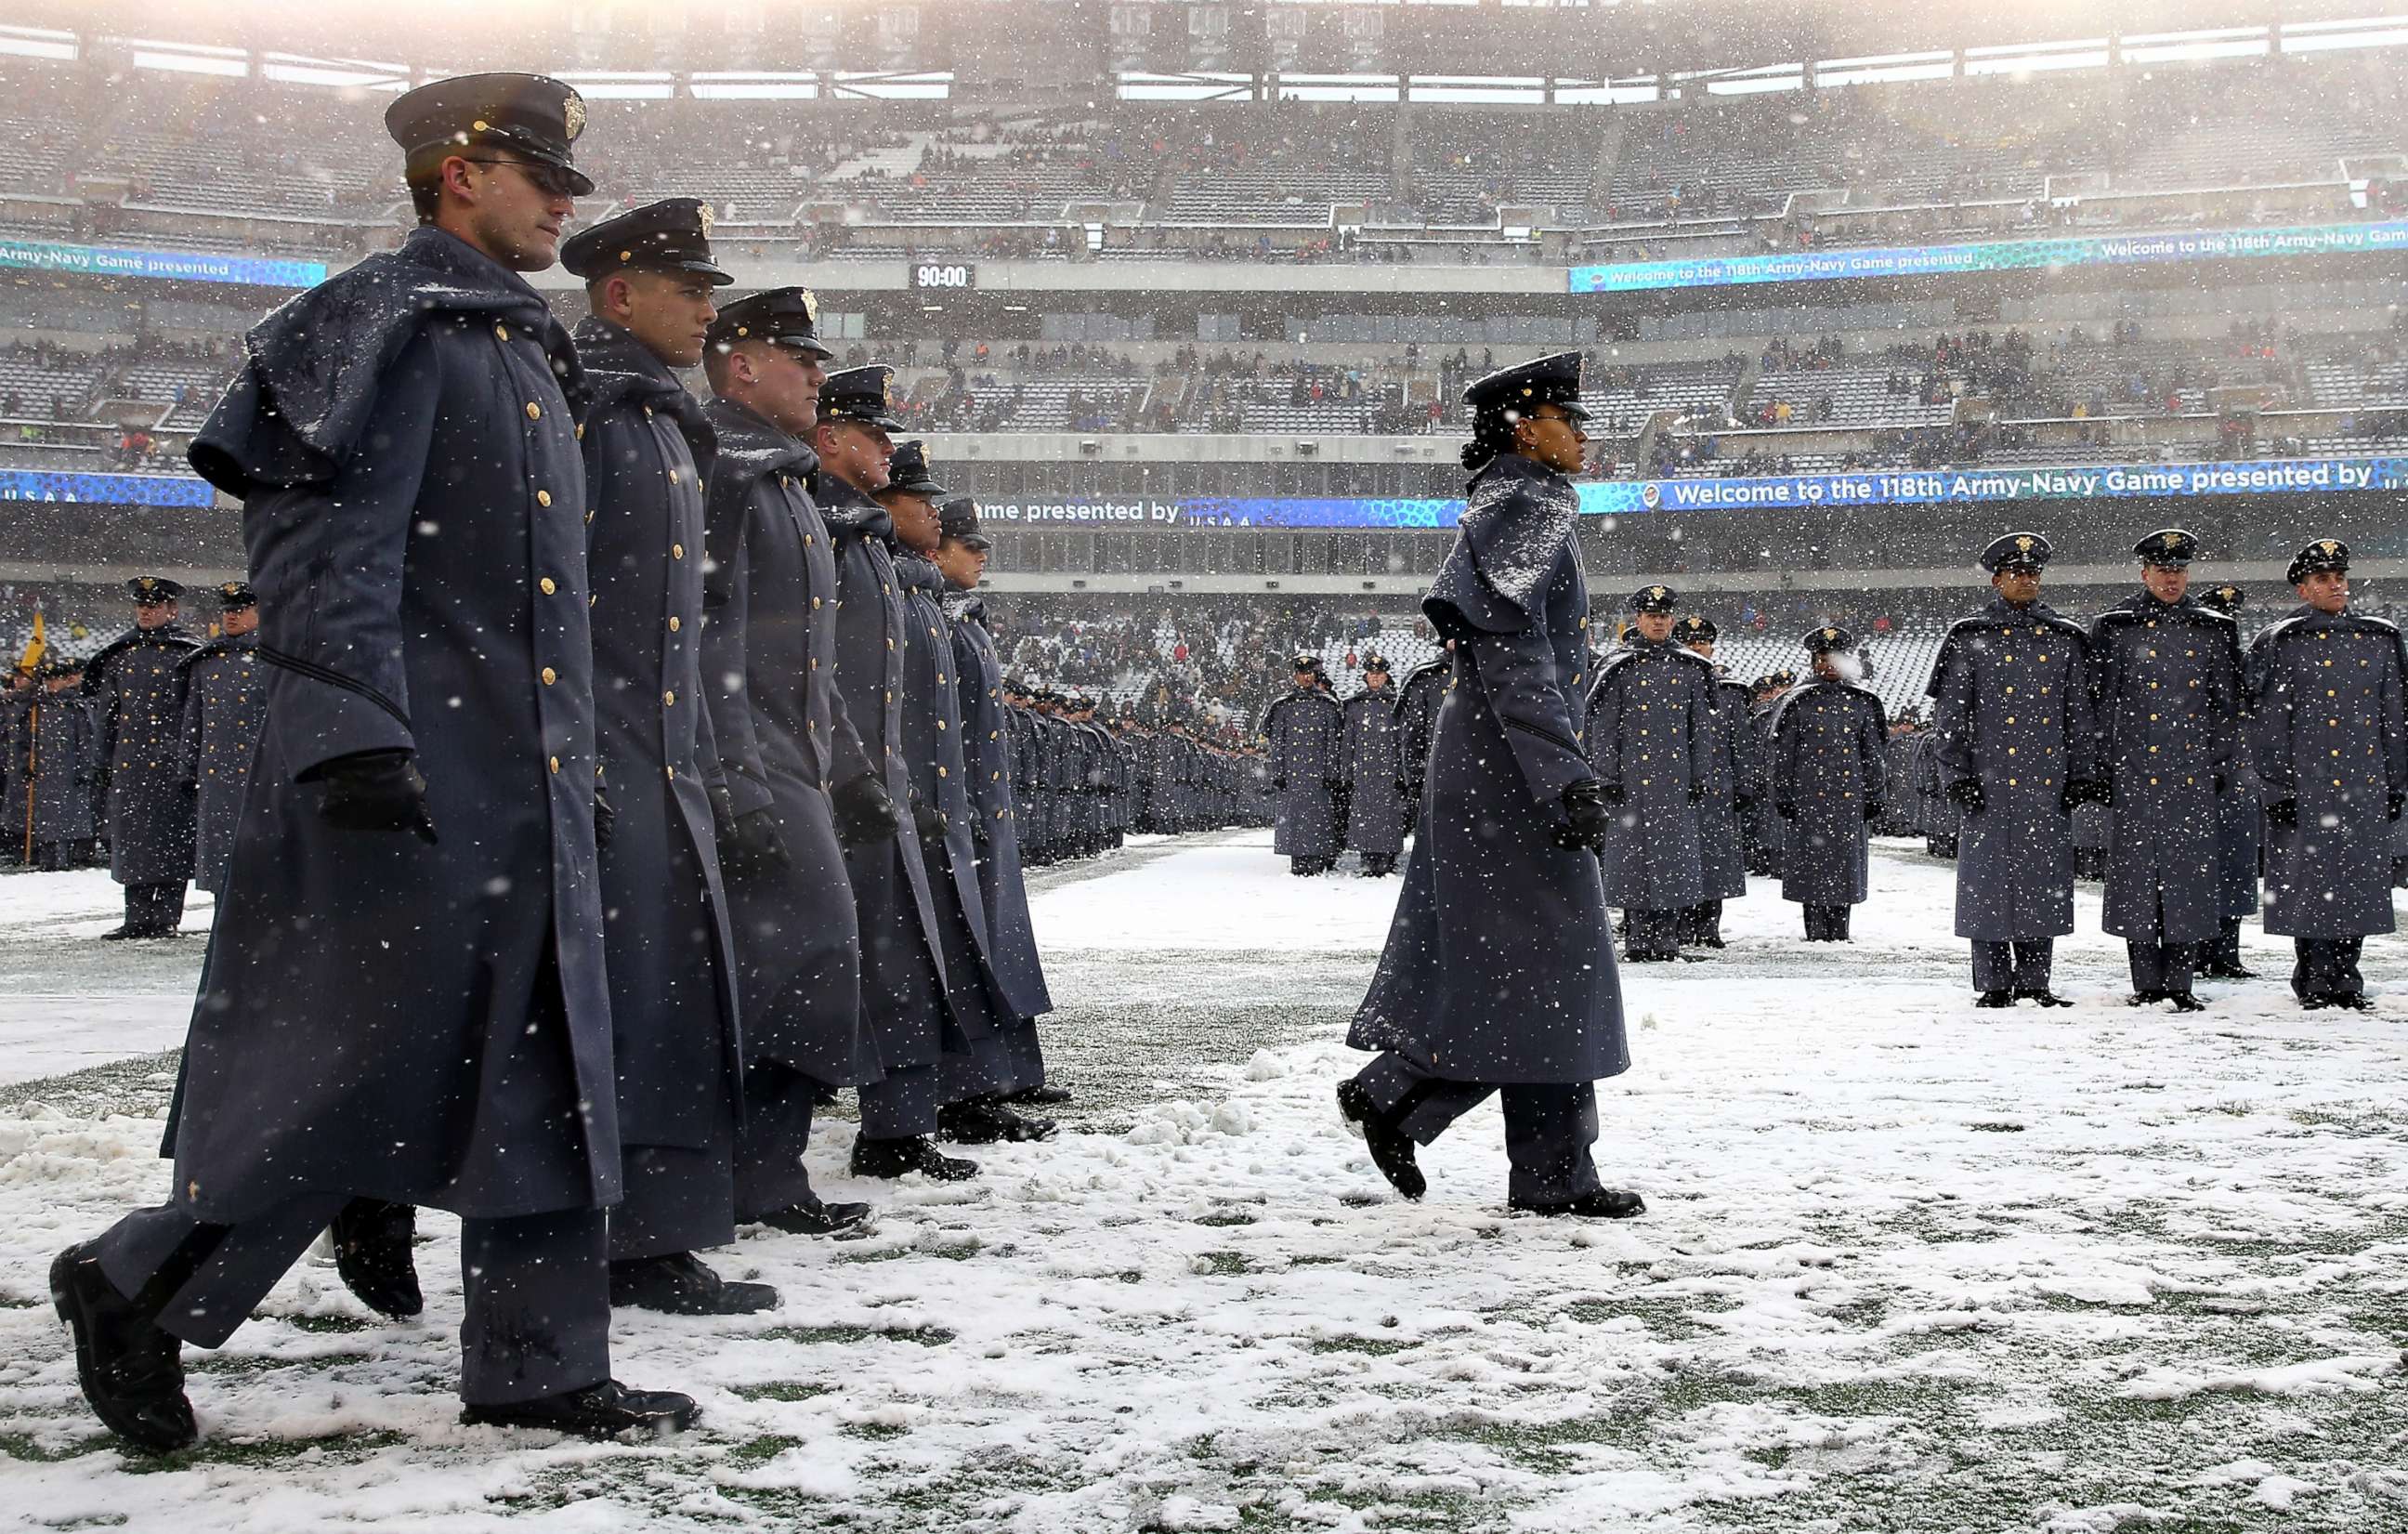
<point>549,180</point>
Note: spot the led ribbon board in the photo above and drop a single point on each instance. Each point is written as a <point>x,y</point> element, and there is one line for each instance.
<point>160,265</point>
<point>1991,256</point>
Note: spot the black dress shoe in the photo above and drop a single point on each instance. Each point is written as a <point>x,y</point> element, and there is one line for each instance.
<point>915,1154</point>
<point>1604,1204</point>
<point>2185,1002</point>
<point>2230,971</point>
<point>372,1253</point>
<point>1391,1148</point>
<point>132,1371</point>
<point>605,1410</point>
<point>2046,996</point>
<point>2315,1004</point>
<point>1995,998</point>
<point>986,1120</point>
<point>119,934</point>
<point>2143,998</point>
<point>2352,1000</point>
<point>1038,1096</point>
<point>682,1284</point>
<point>817,1218</point>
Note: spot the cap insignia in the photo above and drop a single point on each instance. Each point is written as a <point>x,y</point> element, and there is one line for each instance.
<point>481,125</point>
<point>2024,544</point>
<point>2173,539</point>
<point>708,217</point>
<point>572,115</point>
<point>1657,593</point>
<point>1830,634</point>
<point>810,307</point>
<point>2327,546</point>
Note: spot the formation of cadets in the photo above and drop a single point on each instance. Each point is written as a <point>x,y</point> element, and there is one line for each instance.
<point>137,755</point>
<point>634,772</point>
<point>599,780</point>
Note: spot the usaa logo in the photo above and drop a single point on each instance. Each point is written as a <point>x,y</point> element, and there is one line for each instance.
<point>1650,496</point>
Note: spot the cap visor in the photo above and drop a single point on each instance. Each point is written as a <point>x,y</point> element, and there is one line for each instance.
<point>802,343</point>
<point>977,542</point>
<point>718,278</point>
<point>1572,408</point>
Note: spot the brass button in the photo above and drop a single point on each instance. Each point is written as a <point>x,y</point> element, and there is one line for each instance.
<point>550,676</point>
<point>815,604</point>
<point>677,550</point>
<point>535,412</point>
<point>543,497</point>
<point>501,333</point>
<point>668,700</point>
<point>546,586</point>
<point>674,625</point>
<point>672,476</point>
<point>672,769</point>
<point>555,763</point>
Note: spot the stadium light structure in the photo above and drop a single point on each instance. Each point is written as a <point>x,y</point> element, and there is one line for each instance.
<point>33,42</point>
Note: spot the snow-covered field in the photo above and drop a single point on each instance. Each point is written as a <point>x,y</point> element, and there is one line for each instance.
<point>1907,1265</point>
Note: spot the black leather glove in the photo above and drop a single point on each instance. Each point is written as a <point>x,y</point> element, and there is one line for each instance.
<point>2284,813</point>
<point>754,845</point>
<point>2393,803</point>
<point>1969,792</point>
<point>723,816</point>
<point>926,820</point>
<point>2219,781</point>
<point>1611,792</point>
<point>864,813</point>
<point>1872,811</point>
<point>375,791</point>
<point>1697,792</point>
<point>1785,809</point>
<point>1587,815</point>
<point>1279,783</point>
<point>1742,804</point>
<point>605,820</point>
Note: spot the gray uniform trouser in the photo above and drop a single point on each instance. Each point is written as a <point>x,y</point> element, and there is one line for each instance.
<point>2161,967</point>
<point>769,1172</point>
<point>1653,934</point>
<point>2020,966</point>
<point>1549,1127</point>
<point>2327,967</point>
<point>154,910</point>
<point>537,1314</point>
<point>904,1103</point>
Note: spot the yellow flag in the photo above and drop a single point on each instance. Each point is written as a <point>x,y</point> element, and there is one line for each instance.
<point>35,647</point>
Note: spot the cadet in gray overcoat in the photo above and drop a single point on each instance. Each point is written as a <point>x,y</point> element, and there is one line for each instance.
<point>1368,746</point>
<point>2240,830</point>
<point>63,751</point>
<point>1302,729</point>
<point>405,995</point>
<point>2015,749</point>
<point>1722,846</point>
<point>136,687</point>
<point>1827,777</point>
<point>2167,681</point>
<point>1499,972</point>
<point>1416,721</point>
<point>796,786</point>
<point>677,1043</point>
<point>225,710</point>
<point>1651,736</point>
<point>2333,755</point>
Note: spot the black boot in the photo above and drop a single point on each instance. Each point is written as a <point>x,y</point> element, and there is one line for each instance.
<point>605,1410</point>
<point>681,1283</point>
<point>1391,1148</point>
<point>372,1253</point>
<point>817,1217</point>
<point>1995,998</point>
<point>985,1120</point>
<point>1604,1204</point>
<point>1037,1096</point>
<point>912,1154</point>
<point>132,1371</point>
<point>2046,996</point>
<point>2351,1001</point>
<point>2143,998</point>
<point>2186,1002</point>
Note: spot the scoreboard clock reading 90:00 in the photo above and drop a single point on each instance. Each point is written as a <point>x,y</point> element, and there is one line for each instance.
<point>943,275</point>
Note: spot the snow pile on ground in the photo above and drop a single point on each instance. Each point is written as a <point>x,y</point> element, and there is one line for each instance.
<point>1907,1265</point>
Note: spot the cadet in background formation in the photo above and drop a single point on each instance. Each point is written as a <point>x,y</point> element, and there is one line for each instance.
<point>63,751</point>
<point>2015,749</point>
<point>2240,831</point>
<point>2332,752</point>
<point>1302,729</point>
<point>1417,722</point>
<point>1368,752</point>
<point>1651,738</point>
<point>137,689</point>
<point>225,710</point>
<point>1829,774</point>
<point>1731,794</point>
<point>1499,972</point>
<point>676,1044</point>
<point>2167,674</point>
